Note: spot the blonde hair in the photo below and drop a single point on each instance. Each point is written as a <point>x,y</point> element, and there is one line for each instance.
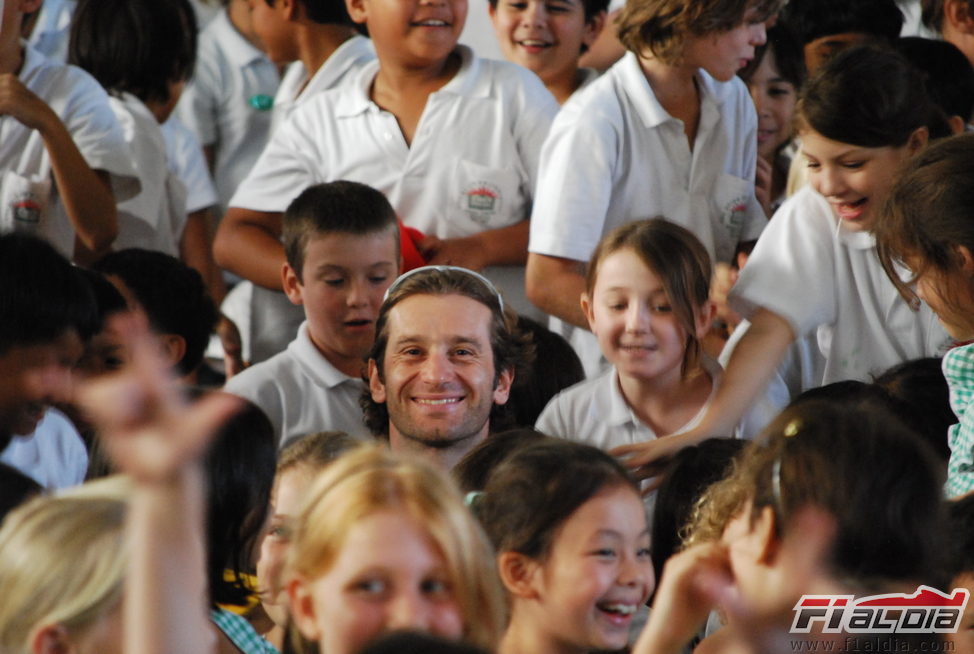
<point>63,562</point>
<point>372,479</point>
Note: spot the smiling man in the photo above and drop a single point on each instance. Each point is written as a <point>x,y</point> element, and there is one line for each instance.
<point>442,363</point>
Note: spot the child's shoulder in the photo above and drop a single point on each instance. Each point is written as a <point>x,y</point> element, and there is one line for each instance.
<point>53,81</point>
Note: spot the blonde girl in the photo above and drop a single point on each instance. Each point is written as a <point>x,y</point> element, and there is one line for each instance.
<point>62,566</point>
<point>385,543</point>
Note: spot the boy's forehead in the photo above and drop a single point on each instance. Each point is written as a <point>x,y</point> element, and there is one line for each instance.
<point>339,244</point>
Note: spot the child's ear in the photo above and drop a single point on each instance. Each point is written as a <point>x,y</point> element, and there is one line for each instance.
<point>173,348</point>
<point>966,259</point>
<point>291,284</point>
<point>586,301</point>
<point>705,318</point>
<point>957,14</point>
<point>593,27</point>
<point>303,608</point>
<point>518,573</point>
<point>918,140</point>
<point>764,531</point>
<point>356,10</point>
<point>50,639</point>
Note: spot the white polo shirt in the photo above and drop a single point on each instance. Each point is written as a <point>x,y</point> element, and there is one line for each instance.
<point>302,393</point>
<point>155,218</point>
<point>228,102</point>
<point>614,155</point>
<point>472,164</point>
<point>54,455</point>
<point>26,181</point>
<point>294,91</point>
<point>596,413</point>
<point>186,161</point>
<point>824,279</point>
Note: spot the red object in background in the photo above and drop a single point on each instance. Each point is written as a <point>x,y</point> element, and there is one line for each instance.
<point>409,240</point>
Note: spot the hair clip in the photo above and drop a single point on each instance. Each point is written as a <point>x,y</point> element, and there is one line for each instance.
<point>791,429</point>
<point>473,498</point>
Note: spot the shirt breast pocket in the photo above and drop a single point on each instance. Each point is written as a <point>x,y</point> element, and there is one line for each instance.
<point>23,201</point>
<point>487,197</point>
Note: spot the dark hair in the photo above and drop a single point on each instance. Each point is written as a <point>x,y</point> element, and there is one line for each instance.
<point>592,8</point>
<point>788,57</point>
<point>813,19</point>
<point>941,176</point>
<point>172,295</point>
<point>889,515</point>
<point>335,207</point>
<point>475,468</point>
<point>687,475</point>
<point>324,12</point>
<point>15,489</point>
<point>510,348</point>
<point>107,298</point>
<point>42,295</point>
<point>680,261</point>
<point>556,367</point>
<point>539,486</point>
<point>135,46</point>
<point>869,97</point>
<point>661,27</point>
<point>922,398</point>
<point>960,536</point>
<point>239,468</point>
<point>947,73</point>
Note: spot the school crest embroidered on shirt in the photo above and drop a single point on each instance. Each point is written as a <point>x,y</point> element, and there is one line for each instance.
<point>482,201</point>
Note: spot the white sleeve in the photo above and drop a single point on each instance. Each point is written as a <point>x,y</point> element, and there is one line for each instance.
<point>792,269</point>
<point>532,124</point>
<point>286,167</point>
<point>578,168</point>
<point>199,105</point>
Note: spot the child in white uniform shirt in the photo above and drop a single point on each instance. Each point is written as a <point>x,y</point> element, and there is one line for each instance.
<point>669,130</point>
<point>453,142</point>
<point>342,243</point>
<point>648,304</point>
<point>318,39</point>
<point>142,52</point>
<point>228,101</point>
<point>63,160</point>
<point>816,270</point>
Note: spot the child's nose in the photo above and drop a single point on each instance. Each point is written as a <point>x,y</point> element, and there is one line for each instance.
<point>358,293</point>
<point>637,318</point>
<point>535,14</point>
<point>831,182</point>
<point>408,612</point>
<point>759,34</point>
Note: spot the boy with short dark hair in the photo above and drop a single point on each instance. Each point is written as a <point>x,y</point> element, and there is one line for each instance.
<point>48,313</point>
<point>826,27</point>
<point>341,241</point>
<point>174,299</point>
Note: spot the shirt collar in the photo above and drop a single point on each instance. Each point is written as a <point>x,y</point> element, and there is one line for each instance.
<point>314,363</point>
<point>466,82</point>
<point>643,99</point>
<point>235,46</point>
